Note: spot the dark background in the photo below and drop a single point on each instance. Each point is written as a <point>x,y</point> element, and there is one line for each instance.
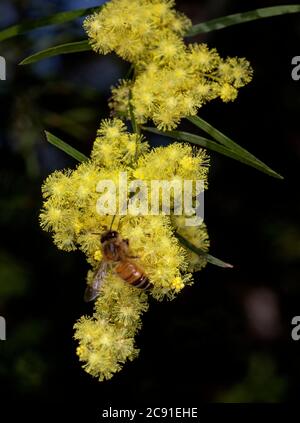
<point>228,337</point>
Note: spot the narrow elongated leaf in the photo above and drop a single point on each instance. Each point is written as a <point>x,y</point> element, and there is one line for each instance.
<point>134,124</point>
<point>214,146</point>
<point>238,18</point>
<point>208,26</point>
<point>210,259</point>
<point>227,142</point>
<point>58,18</point>
<point>57,50</point>
<point>71,151</point>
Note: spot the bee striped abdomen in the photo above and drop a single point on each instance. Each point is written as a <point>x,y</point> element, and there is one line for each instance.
<point>132,274</point>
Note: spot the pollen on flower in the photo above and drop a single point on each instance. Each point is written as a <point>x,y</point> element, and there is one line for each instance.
<point>188,163</point>
<point>202,58</point>
<point>80,351</point>
<point>111,129</point>
<point>168,49</point>
<point>51,217</point>
<point>228,92</point>
<point>177,284</point>
<point>77,227</point>
<point>98,255</point>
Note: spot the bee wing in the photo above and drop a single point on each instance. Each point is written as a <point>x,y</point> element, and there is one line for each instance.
<point>92,291</point>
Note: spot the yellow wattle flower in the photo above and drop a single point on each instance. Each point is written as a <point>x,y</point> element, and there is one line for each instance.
<point>171,81</point>
<point>106,340</point>
<point>191,75</point>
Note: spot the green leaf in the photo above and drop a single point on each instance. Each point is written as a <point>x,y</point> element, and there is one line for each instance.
<point>58,18</point>
<point>71,151</point>
<point>208,26</point>
<point>238,18</point>
<point>214,146</point>
<point>231,145</point>
<point>135,126</point>
<point>210,259</point>
<point>55,51</point>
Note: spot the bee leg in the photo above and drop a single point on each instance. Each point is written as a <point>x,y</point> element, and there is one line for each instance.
<point>134,257</point>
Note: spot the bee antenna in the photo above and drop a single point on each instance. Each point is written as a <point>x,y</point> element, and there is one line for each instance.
<point>112,222</point>
<point>119,222</point>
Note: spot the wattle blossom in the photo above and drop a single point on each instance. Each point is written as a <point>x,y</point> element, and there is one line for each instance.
<point>106,340</point>
<point>170,80</point>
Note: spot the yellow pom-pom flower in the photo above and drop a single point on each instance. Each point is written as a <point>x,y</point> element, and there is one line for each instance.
<point>171,80</point>
<point>70,213</point>
<point>132,27</point>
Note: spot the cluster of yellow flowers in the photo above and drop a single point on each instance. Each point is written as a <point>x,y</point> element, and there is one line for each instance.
<point>171,80</point>
<point>69,212</point>
<point>134,28</point>
<point>106,340</point>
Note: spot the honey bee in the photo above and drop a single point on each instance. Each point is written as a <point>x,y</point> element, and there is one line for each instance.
<point>115,252</point>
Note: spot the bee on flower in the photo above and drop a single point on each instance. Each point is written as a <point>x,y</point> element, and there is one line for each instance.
<point>170,81</point>
<point>69,212</point>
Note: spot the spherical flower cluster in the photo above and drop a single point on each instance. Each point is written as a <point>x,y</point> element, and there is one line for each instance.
<point>106,340</point>
<point>171,80</point>
<point>115,148</point>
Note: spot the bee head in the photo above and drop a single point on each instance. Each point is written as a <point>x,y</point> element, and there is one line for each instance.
<point>108,236</point>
